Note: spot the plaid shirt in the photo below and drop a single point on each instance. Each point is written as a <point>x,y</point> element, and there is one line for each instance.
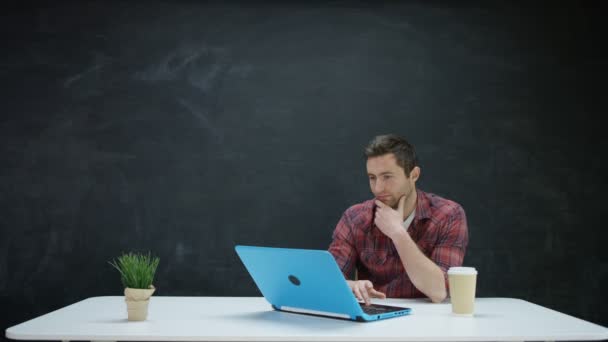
<point>439,229</point>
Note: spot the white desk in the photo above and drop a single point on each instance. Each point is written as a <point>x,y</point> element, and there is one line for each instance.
<point>252,319</point>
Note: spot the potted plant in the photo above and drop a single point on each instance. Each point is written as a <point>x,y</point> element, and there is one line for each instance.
<point>137,274</point>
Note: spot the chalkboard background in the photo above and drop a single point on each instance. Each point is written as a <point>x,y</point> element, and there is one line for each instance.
<point>186,127</point>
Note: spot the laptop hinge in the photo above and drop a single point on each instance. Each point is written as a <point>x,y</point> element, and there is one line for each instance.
<point>313,312</point>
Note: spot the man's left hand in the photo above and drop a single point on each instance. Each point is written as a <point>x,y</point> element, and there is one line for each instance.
<point>389,220</point>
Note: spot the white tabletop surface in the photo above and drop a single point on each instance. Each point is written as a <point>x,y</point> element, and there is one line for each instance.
<point>252,319</point>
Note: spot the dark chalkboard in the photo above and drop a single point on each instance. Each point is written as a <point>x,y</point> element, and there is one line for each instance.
<point>186,127</point>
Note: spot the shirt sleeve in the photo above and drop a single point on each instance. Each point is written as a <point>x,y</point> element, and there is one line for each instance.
<point>342,247</point>
<point>452,242</point>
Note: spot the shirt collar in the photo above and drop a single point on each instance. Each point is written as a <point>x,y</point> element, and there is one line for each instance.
<point>423,205</point>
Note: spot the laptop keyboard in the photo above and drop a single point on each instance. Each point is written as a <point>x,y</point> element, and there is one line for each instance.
<point>375,309</point>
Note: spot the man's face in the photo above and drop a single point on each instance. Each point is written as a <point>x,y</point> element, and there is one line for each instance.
<point>387,179</point>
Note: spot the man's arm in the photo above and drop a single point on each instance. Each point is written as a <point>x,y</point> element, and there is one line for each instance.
<point>428,276</point>
<point>423,272</point>
<point>342,247</point>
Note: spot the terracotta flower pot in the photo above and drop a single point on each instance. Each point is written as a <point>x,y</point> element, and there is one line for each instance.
<point>137,302</point>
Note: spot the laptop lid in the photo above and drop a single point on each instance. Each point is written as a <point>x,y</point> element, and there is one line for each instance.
<point>307,281</point>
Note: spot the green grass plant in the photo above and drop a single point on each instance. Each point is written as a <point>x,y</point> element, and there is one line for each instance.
<point>136,270</point>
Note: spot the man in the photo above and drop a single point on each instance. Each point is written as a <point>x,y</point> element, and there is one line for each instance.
<point>402,242</point>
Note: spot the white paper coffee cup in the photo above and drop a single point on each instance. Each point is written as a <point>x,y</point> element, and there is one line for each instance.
<point>462,282</point>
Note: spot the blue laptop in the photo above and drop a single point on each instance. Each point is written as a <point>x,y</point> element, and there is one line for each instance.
<point>308,282</point>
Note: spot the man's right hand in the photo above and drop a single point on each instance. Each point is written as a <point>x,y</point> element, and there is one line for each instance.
<point>364,290</point>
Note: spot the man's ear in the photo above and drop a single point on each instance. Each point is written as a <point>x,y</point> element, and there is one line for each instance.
<point>415,173</point>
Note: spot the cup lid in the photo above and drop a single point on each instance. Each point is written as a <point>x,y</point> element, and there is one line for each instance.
<point>462,270</point>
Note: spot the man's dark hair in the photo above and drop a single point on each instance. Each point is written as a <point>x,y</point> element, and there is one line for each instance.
<point>391,143</point>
